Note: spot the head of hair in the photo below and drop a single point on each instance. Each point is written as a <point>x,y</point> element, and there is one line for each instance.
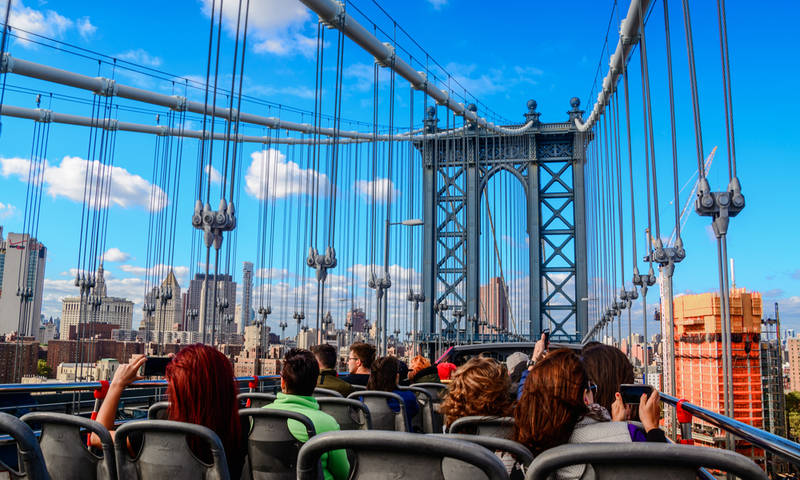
<point>326,354</point>
<point>364,352</point>
<point>383,376</point>
<point>299,372</point>
<point>609,368</point>
<point>202,390</point>
<point>418,363</point>
<point>552,401</point>
<point>479,387</point>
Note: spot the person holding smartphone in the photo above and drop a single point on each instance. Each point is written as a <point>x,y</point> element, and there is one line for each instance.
<point>557,406</point>
<point>201,389</point>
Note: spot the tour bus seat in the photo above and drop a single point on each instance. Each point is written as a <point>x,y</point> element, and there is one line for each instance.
<point>660,461</point>
<point>165,452</point>
<point>426,419</point>
<point>350,414</point>
<point>271,448</point>
<point>257,400</point>
<point>382,416</point>
<point>437,390</point>
<point>31,461</point>
<point>158,411</point>
<point>522,456</point>
<point>64,449</point>
<point>326,392</point>
<point>382,455</point>
<point>500,427</point>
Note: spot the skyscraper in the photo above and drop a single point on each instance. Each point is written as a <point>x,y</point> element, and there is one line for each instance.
<point>22,262</point>
<point>247,295</point>
<point>221,314</point>
<point>167,315</point>
<point>493,308</point>
<point>109,310</point>
<point>698,360</point>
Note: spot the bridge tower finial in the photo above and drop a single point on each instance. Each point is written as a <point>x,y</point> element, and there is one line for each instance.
<point>532,115</point>
<point>576,112</point>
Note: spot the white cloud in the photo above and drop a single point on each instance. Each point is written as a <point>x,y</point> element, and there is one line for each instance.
<point>362,73</point>
<point>275,26</point>
<point>376,191</point>
<point>141,57</point>
<point>68,178</point>
<point>85,28</point>
<point>48,23</point>
<point>299,91</point>
<point>160,269</point>
<point>6,210</point>
<point>487,81</point>
<point>274,273</point>
<point>114,254</point>
<point>437,4</point>
<point>269,174</point>
<point>216,177</point>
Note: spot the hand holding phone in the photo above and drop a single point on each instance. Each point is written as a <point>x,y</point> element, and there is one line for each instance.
<point>632,393</point>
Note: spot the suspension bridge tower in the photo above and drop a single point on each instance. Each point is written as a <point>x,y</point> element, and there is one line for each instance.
<point>548,161</point>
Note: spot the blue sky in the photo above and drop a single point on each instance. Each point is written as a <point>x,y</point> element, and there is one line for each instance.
<point>502,56</point>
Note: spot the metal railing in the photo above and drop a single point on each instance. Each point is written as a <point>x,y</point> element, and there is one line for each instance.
<point>90,386</point>
<point>771,443</point>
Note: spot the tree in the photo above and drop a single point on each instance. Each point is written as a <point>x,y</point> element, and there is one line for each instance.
<point>793,414</point>
<point>42,369</point>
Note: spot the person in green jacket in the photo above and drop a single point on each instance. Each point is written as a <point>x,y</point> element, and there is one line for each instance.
<point>298,379</point>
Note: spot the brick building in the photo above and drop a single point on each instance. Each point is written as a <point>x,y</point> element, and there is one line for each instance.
<point>493,307</point>
<point>698,360</point>
<point>91,330</point>
<point>793,351</point>
<point>26,354</point>
<point>64,351</point>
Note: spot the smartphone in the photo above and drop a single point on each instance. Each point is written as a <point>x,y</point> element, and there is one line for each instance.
<point>546,333</point>
<point>155,366</point>
<point>632,393</point>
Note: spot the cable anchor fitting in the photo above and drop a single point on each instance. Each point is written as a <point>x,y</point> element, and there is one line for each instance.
<point>322,263</point>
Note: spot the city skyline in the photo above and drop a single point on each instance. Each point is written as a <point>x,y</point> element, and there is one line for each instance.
<point>532,73</point>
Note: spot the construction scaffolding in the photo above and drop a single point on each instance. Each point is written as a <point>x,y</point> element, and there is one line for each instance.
<point>698,362</point>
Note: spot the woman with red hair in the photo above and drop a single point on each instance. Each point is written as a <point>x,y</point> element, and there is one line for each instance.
<point>201,389</point>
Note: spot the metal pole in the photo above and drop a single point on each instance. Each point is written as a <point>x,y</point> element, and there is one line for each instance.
<point>668,316</point>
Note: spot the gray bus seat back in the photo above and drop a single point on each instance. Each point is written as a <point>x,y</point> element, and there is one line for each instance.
<point>661,460</point>
<point>31,464</point>
<point>166,453</point>
<point>382,416</point>
<point>392,455</point>
<point>349,413</point>
<point>271,448</point>
<point>64,450</point>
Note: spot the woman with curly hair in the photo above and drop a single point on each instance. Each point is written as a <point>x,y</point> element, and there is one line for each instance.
<point>479,387</point>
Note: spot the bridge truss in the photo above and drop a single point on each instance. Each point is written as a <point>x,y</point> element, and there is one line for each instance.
<point>548,160</point>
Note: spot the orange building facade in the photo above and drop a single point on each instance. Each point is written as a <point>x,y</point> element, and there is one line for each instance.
<point>698,361</point>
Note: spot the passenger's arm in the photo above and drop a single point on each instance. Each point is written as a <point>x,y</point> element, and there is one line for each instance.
<point>338,464</point>
<point>124,376</point>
